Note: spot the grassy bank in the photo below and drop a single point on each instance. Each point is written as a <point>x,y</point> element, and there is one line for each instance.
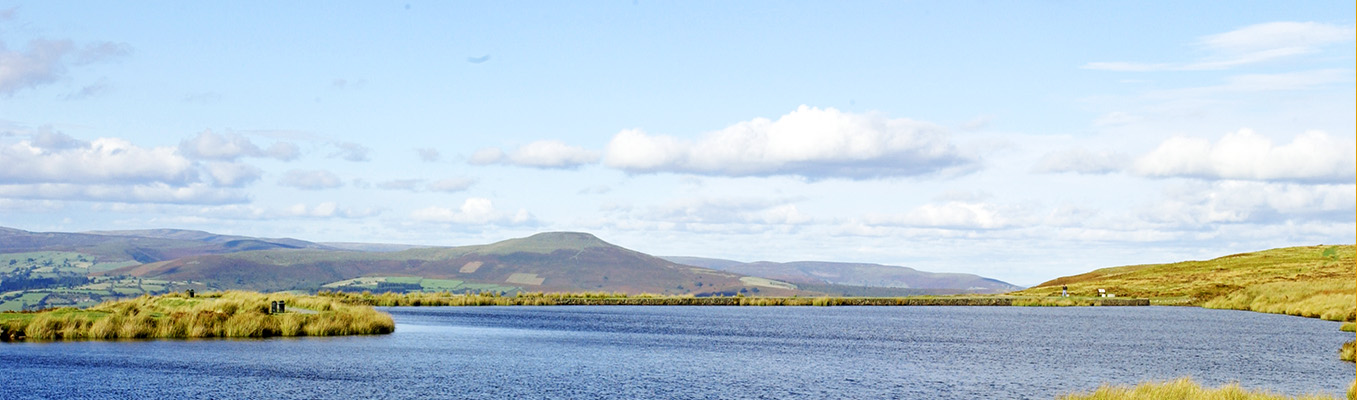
<point>1312,281</point>
<point>1183,389</point>
<point>616,299</point>
<point>225,314</point>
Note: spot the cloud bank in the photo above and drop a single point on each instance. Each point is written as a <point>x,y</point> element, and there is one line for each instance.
<point>1244,155</point>
<point>809,142</point>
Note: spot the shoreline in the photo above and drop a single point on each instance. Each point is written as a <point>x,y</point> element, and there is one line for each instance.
<point>611,299</point>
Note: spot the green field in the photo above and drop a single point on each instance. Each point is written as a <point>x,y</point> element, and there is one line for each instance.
<point>103,289</point>
<point>49,262</point>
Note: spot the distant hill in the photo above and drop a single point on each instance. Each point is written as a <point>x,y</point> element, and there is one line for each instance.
<point>141,246</point>
<point>554,261</point>
<point>1313,281</point>
<point>856,274</point>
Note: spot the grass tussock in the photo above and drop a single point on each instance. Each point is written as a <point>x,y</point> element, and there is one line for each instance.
<point>225,314</point>
<point>1347,352</point>
<point>1328,300</point>
<point>1184,389</point>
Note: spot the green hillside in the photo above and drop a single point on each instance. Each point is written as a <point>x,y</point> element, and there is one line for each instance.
<point>1311,281</point>
<point>551,262</point>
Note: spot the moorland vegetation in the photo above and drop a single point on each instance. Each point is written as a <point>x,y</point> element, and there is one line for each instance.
<point>176,315</point>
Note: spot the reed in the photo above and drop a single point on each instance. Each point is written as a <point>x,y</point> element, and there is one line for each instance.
<point>1183,389</point>
<point>223,314</point>
<point>620,299</point>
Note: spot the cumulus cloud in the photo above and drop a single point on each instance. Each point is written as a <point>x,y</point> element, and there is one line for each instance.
<point>310,179</point>
<point>45,61</point>
<point>155,192</point>
<point>809,142</point>
<point>49,140</point>
<point>57,158</point>
<point>474,211</point>
<point>948,215</point>
<point>1313,156</point>
<point>1082,161</point>
<point>207,145</point>
<point>233,174</point>
<point>539,154</point>
<point>1248,45</point>
<point>1253,202</point>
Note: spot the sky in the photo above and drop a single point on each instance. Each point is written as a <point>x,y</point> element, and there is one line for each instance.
<point>1016,140</point>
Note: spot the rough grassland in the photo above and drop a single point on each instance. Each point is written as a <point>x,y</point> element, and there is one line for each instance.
<point>1312,281</point>
<point>226,314</point>
<point>1183,389</point>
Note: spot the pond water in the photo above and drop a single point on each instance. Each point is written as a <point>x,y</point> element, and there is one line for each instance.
<point>709,352</point>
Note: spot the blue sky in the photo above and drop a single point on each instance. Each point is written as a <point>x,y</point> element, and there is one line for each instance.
<point>1017,140</point>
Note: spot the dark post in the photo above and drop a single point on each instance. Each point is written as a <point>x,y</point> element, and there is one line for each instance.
<point>273,307</point>
<point>281,307</point>
<point>190,293</point>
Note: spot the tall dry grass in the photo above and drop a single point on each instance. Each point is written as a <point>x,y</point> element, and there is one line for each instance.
<point>1326,299</point>
<point>225,314</point>
<point>1184,389</point>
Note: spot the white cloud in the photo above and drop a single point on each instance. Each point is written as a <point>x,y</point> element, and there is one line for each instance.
<point>1313,156</point>
<point>322,210</point>
<point>538,154</point>
<point>1082,161</point>
<point>400,184</point>
<point>56,158</point>
<point>233,174</point>
<point>451,185</point>
<point>1220,202</point>
<point>139,193</point>
<point>310,179</point>
<point>228,147</point>
<point>46,61</point>
<point>1253,83</point>
<point>1248,45</point>
<point>809,142</point>
<point>328,209</point>
<point>950,215</point>
<point>474,211</point>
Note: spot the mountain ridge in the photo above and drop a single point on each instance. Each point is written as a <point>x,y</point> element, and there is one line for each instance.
<point>856,274</point>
